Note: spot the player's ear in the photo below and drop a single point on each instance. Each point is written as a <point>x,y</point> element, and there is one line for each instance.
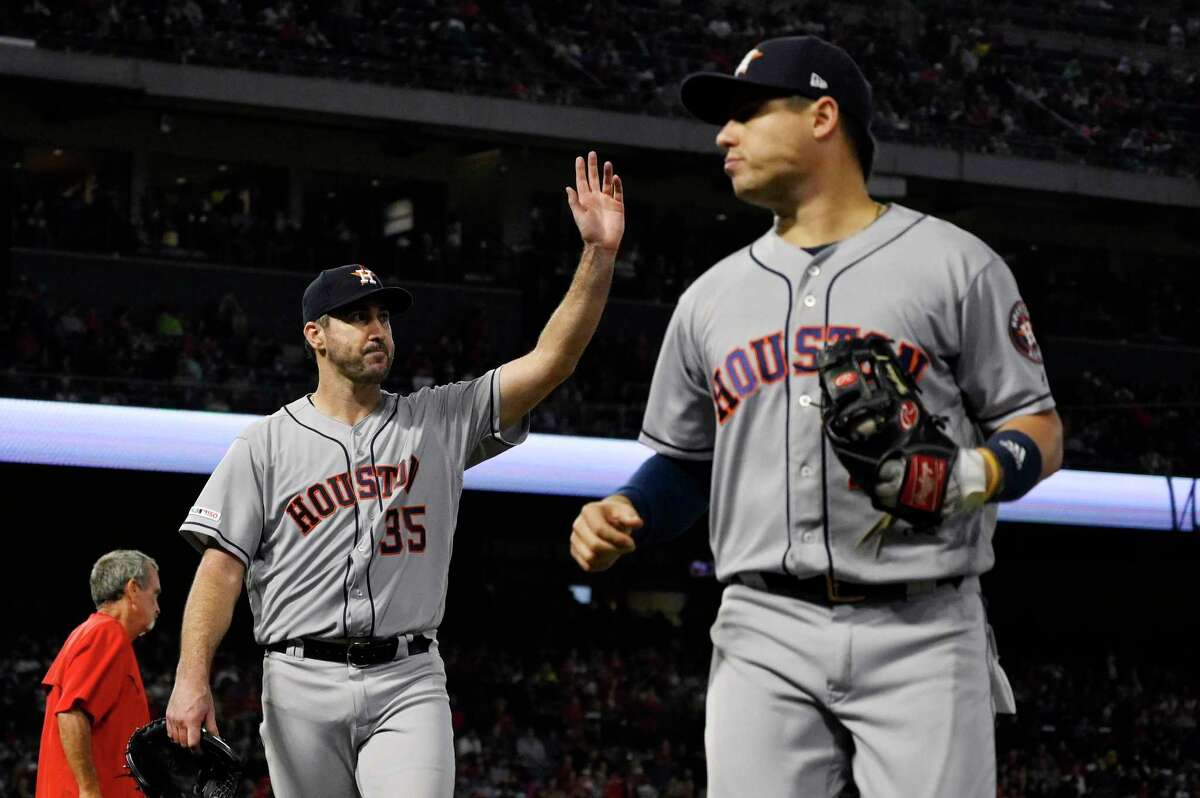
<point>825,116</point>
<point>314,334</point>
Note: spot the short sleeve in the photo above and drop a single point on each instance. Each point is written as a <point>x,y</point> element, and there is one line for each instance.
<point>93,677</point>
<point>1000,369</point>
<point>470,411</point>
<point>229,510</point>
<point>679,420</point>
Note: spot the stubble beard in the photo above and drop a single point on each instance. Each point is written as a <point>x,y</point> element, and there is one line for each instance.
<point>354,368</point>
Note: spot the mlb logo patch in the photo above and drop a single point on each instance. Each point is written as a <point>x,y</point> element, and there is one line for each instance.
<point>204,512</point>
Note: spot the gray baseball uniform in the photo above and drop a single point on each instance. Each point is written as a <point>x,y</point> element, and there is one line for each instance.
<point>792,681</point>
<point>346,532</point>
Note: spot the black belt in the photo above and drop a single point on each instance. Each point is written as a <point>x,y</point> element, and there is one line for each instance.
<point>827,591</point>
<point>357,651</point>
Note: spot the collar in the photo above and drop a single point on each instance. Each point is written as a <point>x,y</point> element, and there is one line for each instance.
<point>304,411</point>
<point>775,252</point>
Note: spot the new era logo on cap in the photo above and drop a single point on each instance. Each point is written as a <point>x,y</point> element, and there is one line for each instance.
<point>818,82</point>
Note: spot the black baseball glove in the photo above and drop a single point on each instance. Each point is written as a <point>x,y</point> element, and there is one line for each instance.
<point>163,769</point>
<point>881,432</point>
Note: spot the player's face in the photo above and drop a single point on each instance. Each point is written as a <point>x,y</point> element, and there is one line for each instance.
<point>769,150</point>
<point>359,343</point>
<point>145,601</point>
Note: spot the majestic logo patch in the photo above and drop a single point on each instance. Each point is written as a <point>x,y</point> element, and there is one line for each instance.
<point>908,414</point>
<point>1020,330</point>
<point>817,82</point>
<point>744,67</point>
<point>204,512</point>
<point>365,276</point>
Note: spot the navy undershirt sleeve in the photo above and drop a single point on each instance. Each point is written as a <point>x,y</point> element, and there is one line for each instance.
<point>669,494</point>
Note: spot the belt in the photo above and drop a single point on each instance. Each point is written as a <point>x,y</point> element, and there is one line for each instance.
<point>357,651</point>
<point>828,591</point>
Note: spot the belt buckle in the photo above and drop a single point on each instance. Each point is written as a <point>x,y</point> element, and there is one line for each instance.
<point>835,597</point>
<point>363,646</point>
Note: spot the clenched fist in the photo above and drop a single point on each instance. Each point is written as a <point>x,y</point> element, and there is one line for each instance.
<point>602,532</point>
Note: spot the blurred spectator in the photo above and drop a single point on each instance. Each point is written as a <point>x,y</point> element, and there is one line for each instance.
<point>956,79</point>
<point>94,695</point>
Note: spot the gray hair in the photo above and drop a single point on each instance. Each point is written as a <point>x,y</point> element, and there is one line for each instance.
<point>113,571</point>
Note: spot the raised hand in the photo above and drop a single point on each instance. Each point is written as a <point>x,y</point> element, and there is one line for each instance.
<point>597,205</point>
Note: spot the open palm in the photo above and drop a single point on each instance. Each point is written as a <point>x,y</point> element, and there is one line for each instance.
<point>597,205</point>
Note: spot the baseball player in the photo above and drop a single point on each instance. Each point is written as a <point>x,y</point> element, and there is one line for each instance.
<point>338,512</point>
<point>850,644</point>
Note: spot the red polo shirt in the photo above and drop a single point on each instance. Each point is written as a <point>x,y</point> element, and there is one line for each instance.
<point>97,672</point>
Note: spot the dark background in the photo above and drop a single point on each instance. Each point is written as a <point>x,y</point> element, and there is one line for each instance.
<point>1056,592</point>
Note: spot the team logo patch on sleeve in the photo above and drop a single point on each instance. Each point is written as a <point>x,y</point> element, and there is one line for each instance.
<point>1020,330</point>
<point>204,512</point>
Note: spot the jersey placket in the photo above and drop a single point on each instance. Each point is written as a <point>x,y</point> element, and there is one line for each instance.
<point>805,469</point>
<point>360,612</point>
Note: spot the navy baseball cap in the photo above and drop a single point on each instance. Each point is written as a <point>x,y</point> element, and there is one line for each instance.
<point>805,65</point>
<point>344,285</point>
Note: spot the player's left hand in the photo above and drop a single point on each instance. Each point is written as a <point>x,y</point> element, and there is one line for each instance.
<point>968,488</point>
<point>597,203</point>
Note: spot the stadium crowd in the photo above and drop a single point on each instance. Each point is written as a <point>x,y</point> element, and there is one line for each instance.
<point>157,356</point>
<point>966,76</point>
<point>663,252</point>
<point>603,703</point>
<point>232,220</point>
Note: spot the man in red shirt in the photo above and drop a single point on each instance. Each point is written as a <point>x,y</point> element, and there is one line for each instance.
<point>95,699</point>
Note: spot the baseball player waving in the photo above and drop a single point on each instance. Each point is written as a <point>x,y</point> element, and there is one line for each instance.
<point>338,512</point>
<point>849,396</point>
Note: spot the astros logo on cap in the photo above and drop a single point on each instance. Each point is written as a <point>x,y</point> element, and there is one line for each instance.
<point>745,65</point>
<point>364,276</point>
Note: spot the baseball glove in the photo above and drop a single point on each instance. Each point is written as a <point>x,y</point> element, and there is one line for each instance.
<point>163,769</point>
<point>881,432</point>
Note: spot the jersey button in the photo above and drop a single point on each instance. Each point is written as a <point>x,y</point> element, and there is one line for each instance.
<point>805,400</point>
<point>813,271</point>
<point>807,537</point>
<point>806,471</point>
<point>809,301</point>
<point>358,594</point>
